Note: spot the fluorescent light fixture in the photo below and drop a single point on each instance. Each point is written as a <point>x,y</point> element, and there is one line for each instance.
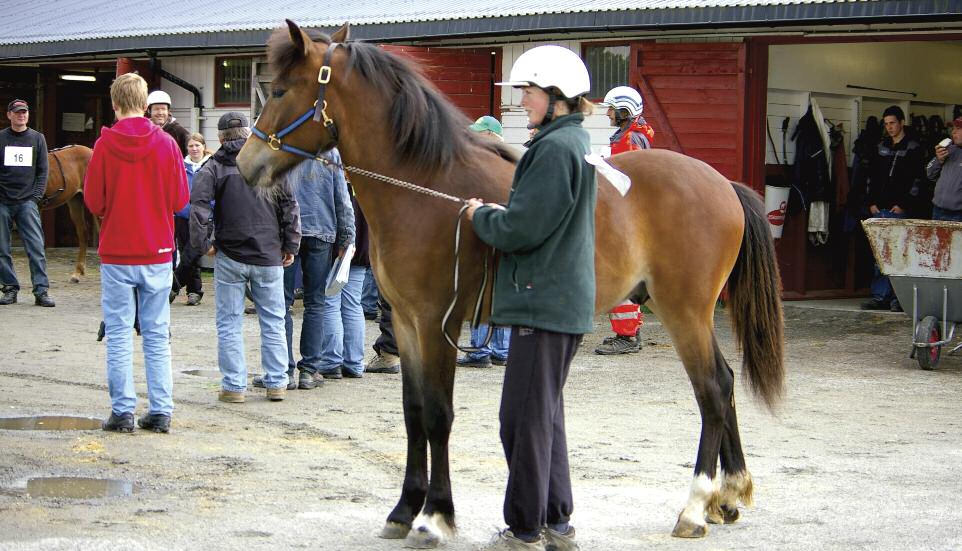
<point>82,78</point>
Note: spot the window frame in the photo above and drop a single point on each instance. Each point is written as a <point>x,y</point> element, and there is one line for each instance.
<point>607,44</point>
<point>219,82</point>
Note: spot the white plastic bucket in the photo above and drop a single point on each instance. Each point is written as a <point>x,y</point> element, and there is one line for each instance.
<point>776,200</point>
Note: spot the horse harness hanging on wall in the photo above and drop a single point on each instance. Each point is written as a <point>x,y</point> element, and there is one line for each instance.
<point>320,115</point>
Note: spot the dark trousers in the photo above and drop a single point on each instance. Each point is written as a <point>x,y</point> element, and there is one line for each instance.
<point>533,429</point>
<point>938,213</point>
<point>385,341</point>
<point>187,274</point>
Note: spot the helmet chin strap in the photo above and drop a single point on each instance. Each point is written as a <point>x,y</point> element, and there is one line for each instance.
<point>549,114</point>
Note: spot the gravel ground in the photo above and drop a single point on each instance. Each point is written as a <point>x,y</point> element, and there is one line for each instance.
<point>864,453</point>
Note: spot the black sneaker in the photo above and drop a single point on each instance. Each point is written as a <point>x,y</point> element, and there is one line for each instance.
<point>336,374</point>
<point>471,361</point>
<point>307,381</point>
<point>43,299</point>
<point>157,422</point>
<point>9,296</point>
<point>619,344</point>
<point>499,361</point>
<point>876,305</point>
<point>119,423</point>
<point>372,315</point>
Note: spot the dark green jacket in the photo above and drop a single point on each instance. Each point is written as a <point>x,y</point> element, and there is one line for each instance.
<point>546,279</point>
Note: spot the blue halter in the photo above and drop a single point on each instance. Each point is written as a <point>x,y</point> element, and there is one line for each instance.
<point>274,141</point>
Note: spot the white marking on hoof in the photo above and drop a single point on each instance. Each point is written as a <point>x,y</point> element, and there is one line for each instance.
<point>429,531</point>
<point>702,490</point>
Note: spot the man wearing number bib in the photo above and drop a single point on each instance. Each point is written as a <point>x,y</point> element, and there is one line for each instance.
<point>23,178</point>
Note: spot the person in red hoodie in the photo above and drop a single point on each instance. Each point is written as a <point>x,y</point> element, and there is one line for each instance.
<point>136,181</point>
<point>624,111</point>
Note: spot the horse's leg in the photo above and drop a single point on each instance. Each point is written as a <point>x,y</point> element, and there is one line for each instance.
<point>76,206</point>
<point>736,481</point>
<point>436,522</point>
<point>415,485</point>
<point>691,330</point>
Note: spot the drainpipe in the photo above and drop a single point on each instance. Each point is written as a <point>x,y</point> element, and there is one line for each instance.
<point>196,113</point>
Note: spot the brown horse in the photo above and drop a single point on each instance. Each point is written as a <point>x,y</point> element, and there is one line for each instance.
<point>66,168</point>
<point>680,234</point>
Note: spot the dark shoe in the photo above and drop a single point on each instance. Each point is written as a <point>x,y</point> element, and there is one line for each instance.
<point>156,422</point>
<point>173,295</point>
<point>471,361</point>
<point>384,363</point>
<point>896,307</point>
<point>9,296</point>
<point>499,361</point>
<point>101,331</point>
<point>348,374</point>
<point>119,423</point>
<point>299,293</point>
<point>43,299</point>
<point>193,299</point>
<point>372,315</point>
<point>250,310</point>
<point>618,344</point>
<point>876,305</point>
<point>306,381</point>
<point>336,374</point>
<point>556,541</point>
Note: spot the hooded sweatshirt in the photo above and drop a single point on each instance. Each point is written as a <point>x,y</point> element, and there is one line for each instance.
<point>135,181</point>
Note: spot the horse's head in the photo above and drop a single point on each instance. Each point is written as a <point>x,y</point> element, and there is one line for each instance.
<point>296,60</point>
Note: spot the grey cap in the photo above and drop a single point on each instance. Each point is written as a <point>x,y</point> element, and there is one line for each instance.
<point>233,119</point>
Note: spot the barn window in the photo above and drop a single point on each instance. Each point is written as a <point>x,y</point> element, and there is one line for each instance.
<point>608,67</point>
<point>232,81</point>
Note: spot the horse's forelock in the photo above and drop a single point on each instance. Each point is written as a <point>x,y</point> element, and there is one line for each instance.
<point>282,55</point>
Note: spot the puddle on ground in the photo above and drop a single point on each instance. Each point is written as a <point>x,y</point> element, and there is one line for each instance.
<point>50,422</point>
<point>78,487</point>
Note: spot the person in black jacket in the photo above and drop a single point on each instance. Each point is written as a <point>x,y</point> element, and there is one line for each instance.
<point>896,176</point>
<point>256,237</point>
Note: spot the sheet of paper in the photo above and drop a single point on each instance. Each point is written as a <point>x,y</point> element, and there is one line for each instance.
<point>620,180</point>
<point>16,155</point>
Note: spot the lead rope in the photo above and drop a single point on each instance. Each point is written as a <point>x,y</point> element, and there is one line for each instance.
<point>476,317</point>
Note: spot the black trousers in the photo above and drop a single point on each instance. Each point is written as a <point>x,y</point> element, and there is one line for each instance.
<point>385,341</point>
<point>533,429</point>
<point>187,274</point>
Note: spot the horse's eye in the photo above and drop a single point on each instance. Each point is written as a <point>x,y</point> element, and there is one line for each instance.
<point>277,92</point>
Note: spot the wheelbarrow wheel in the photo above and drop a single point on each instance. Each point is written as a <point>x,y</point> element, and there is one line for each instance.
<point>928,331</point>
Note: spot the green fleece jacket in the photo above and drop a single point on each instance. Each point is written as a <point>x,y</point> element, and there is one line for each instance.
<point>546,278</point>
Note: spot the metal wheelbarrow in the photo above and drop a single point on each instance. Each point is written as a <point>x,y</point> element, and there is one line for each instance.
<point>923,260</point>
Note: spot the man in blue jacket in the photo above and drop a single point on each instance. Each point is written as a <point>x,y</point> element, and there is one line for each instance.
<point>327,228</point>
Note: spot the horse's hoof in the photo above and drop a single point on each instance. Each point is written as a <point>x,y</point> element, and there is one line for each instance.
<point>74,279</point>
<point>724,514</point>
<point>687,529</point>
<point>731,514</point>
<point>422,538</point>
<point>394,531</point>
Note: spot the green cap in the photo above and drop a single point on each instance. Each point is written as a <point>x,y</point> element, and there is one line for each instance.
<point>487,123</point>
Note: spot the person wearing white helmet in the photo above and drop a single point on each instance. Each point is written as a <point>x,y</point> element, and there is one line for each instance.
<point>158,111</point>
<point>633,132</point>
<point>545,290</point>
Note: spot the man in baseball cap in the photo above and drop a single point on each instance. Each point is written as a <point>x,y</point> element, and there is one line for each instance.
<point>488,124</point>
<point>23,179</point>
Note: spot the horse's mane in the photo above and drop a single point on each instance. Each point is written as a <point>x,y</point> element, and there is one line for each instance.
<point>430,133</point>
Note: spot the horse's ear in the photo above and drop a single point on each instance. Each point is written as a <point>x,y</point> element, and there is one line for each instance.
<point>341,35</point>
<point>301,41</point>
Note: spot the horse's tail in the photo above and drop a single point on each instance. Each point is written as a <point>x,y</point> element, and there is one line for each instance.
<point>756,306</point>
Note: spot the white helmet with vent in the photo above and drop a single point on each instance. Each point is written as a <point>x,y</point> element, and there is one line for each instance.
<point>624,97</point>
<point>547,66</point>
<point>158,96</point>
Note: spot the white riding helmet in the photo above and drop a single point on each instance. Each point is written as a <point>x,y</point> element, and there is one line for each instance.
<point>624,97</point>
<point>547,66</point>
<point>158,96</point>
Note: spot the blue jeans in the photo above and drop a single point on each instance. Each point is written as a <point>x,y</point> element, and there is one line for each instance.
<point>267,287</point>
<point>27,217</point>
<point>369,293</point>
<point>497,348</point>
<point>315,261</point>
<point>881,287</point>
<point>938,213</point>
<point>342,344</point>
<point>117,284</point>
